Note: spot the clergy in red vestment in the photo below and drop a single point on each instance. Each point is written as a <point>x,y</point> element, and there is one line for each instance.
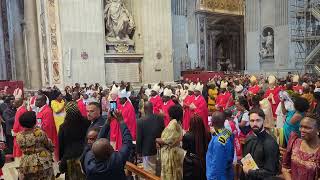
<point>272,94</point>
<point>224,100</point>
<point>199,105</point>
<point>187,112</point>
<point>167,103</point>
<point>16,126</point>
<point>81,106</point>
<point>254,88</point>
<point>296,87</point>
<point>155,99</point>
<point>128,113</point>
<point>46,122</point>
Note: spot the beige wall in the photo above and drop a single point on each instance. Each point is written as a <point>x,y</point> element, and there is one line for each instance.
<point>82,30</point>
<point>154,34</point>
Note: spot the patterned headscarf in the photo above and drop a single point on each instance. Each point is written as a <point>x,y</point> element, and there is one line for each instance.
<point>72,108</point>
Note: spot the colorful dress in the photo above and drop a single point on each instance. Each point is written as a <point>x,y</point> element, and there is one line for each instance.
<point>58,115</point>
<point>213,93</point>
<point>302,165</point>
<point>288,127</point>
<point>36,162</point>
<point>172,155</point>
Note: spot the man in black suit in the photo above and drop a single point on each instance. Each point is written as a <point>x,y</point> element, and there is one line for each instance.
<point>149,128</point>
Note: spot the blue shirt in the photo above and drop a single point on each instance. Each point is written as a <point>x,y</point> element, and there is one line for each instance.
<point>220,156</point>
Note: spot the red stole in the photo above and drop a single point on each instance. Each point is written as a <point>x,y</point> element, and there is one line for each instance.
<point>254,89</point>
<point>49,127</point>
<point>157,104</point>
<point>298,89</point>
<point>187,112</point>
<point>82,107</point>
<point>165,109</point>
<point>115,131</point>
<point>201,109</point>
<point>224,100</point>
<point>276,100</point>
<point>129,117</point>
<point>16,129</point>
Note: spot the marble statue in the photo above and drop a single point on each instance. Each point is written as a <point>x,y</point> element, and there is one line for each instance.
<point>118,21</point>
<point>267,47</point>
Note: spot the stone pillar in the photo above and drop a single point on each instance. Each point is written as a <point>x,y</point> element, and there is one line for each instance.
<point>33,65</point>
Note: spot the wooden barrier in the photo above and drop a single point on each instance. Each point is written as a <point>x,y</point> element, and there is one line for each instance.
<point>140,172</point>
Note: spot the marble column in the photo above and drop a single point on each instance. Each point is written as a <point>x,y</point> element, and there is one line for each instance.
<point>32,45</point>
<point>3,69</point>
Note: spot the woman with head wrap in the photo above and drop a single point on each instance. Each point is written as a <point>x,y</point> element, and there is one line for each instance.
<point>72,135</point>
<point>58,108</point>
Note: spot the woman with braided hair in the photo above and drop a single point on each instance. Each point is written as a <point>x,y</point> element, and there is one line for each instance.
<point>72,135</point>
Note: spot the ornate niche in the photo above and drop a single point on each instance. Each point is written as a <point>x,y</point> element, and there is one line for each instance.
<point>119,27</point>
<point>267,43</point>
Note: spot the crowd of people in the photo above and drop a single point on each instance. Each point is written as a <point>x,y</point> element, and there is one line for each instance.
<point>232,127</point>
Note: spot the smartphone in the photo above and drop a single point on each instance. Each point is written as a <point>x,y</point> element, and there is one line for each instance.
<point>113,107</point>
<point>39,123</point>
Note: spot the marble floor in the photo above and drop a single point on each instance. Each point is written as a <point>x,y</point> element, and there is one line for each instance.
<point>10,172</point>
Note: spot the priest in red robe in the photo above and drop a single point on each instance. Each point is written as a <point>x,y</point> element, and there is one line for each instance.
<point>115,136</point>
<point>155,99</point>
<point>199,105</point>
<point>272,94</point>
<point>167,103</point>
<point>46,122</point>
<point>254,88</point>
<point>224,100</point>
<point>128,113</point>
<point>296,87</point>
<point>187,112</point>
<point>16,126</point>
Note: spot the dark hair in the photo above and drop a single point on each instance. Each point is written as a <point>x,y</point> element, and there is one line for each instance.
<point>201,137</point>
<point>95,104</point>
<point>227,113</point>
<point>28,119</point>
<point>301,104</point>
<point>315,117</point>
<point>96,129</point>
<point>257,111</point>
<point>176,112</point>
<point>243,102</point>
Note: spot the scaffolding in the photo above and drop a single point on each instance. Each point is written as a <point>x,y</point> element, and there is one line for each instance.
<point>305,34</point>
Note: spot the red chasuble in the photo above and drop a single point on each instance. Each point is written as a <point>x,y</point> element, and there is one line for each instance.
<point>254,89</point>
<point>187,112</point>
<point>165,109</point>
<point>115,131</point>
<point>82,107</point>
<point>49,127</point>
<point>275,100</point>
<point>129,117</point>
<point>224,100</point>
<point>298,89</point>
<point>201,109</point>
<point>157,104</point>
<point>16,129</point>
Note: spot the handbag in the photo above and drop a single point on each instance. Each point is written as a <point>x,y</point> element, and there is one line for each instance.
<point>158,163</point>
<point>192,167</point>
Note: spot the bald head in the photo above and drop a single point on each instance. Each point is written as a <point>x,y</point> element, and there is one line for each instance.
<point>218,119</point>
<point>148,108</point>
<point>102,149</point>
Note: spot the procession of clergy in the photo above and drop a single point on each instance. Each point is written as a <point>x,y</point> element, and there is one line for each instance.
<point>230,109</point>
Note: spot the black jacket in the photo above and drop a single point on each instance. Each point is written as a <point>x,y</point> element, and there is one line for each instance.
<point>113,168</point>
<point>149,128</point>
<point>265,152</point>
<point>97,123</point>
<point>72,140</point>
<point>8,116</point>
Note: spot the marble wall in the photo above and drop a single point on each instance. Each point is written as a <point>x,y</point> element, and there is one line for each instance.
<point>82,41</point>
<point>259,15</point>
<point>153,38</point>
